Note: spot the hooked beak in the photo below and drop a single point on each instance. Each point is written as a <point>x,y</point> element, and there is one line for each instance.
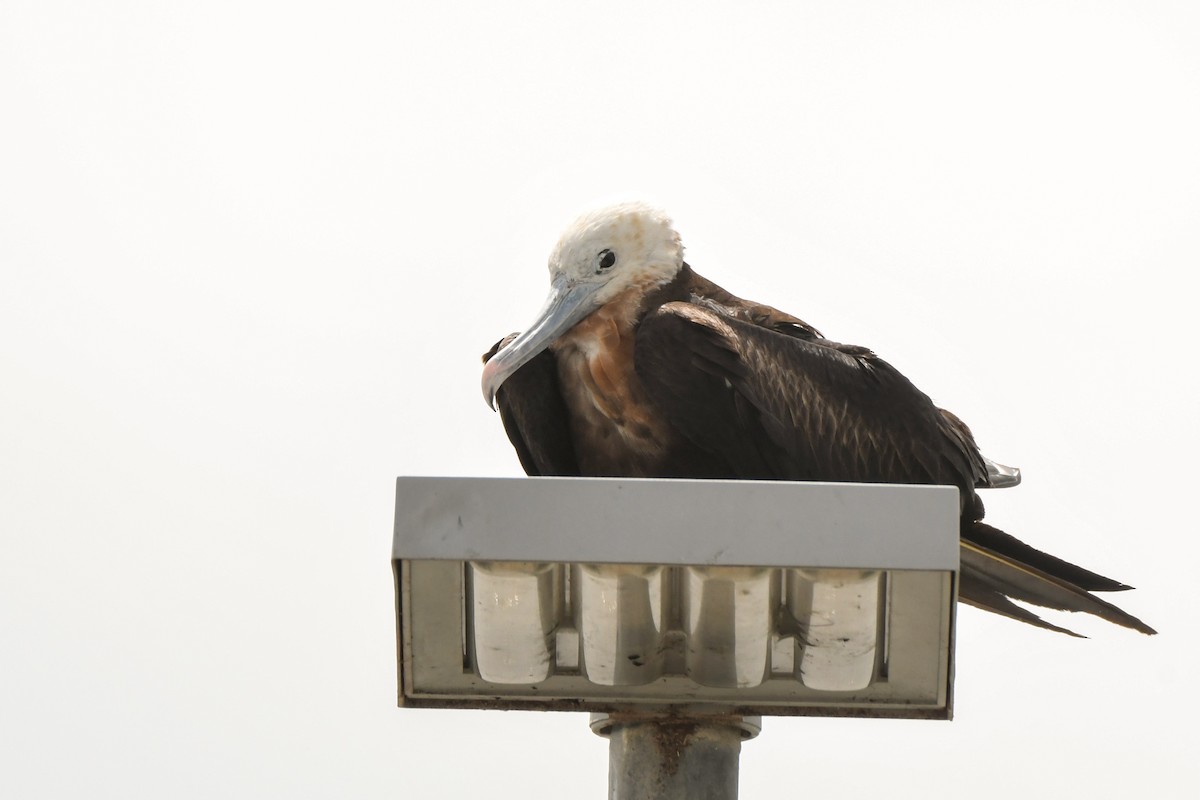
<point>567,304</point>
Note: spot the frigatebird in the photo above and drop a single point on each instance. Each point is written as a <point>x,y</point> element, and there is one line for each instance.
<point>639,367</point>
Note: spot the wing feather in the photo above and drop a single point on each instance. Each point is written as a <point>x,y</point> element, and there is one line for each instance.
<point>535,416</point>
<point>780,406</point>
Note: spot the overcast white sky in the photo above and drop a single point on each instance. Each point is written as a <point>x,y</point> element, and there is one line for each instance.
<point>251,252</point>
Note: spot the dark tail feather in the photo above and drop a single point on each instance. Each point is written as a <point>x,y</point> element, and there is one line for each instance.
<point>976,593</point>
<point>990,578</point>
<point>998,541</point>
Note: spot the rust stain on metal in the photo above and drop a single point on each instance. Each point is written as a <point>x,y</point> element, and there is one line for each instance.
<point>672,738</point>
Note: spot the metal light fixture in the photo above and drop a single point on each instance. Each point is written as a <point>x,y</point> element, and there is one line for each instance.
<point>676,597</point>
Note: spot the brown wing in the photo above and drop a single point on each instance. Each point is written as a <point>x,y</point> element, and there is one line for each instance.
<point>535,416</point>
<point>793,407</point>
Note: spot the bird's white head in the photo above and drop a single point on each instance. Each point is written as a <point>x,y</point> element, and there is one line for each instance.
<point>616,247</point>
<point>601,255</point>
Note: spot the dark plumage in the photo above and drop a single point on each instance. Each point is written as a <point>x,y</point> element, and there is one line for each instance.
<point>654,371</point>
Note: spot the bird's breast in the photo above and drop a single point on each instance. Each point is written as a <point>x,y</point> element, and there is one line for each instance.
<point>615,427</point>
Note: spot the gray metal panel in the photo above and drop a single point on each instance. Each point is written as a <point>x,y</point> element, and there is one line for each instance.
<point>657,521</point>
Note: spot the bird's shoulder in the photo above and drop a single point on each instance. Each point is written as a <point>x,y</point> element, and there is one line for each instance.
<point>703,293</point>
<point>702,304</point>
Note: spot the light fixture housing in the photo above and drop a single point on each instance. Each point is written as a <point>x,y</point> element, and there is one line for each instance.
<point>676,596</point>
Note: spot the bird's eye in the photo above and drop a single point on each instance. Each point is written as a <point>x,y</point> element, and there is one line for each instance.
<point>605,260</point>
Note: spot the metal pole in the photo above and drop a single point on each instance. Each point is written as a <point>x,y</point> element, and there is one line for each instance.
<point>674,757</point>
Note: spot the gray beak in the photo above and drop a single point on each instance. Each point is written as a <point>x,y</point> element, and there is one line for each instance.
<point>567,305</point>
